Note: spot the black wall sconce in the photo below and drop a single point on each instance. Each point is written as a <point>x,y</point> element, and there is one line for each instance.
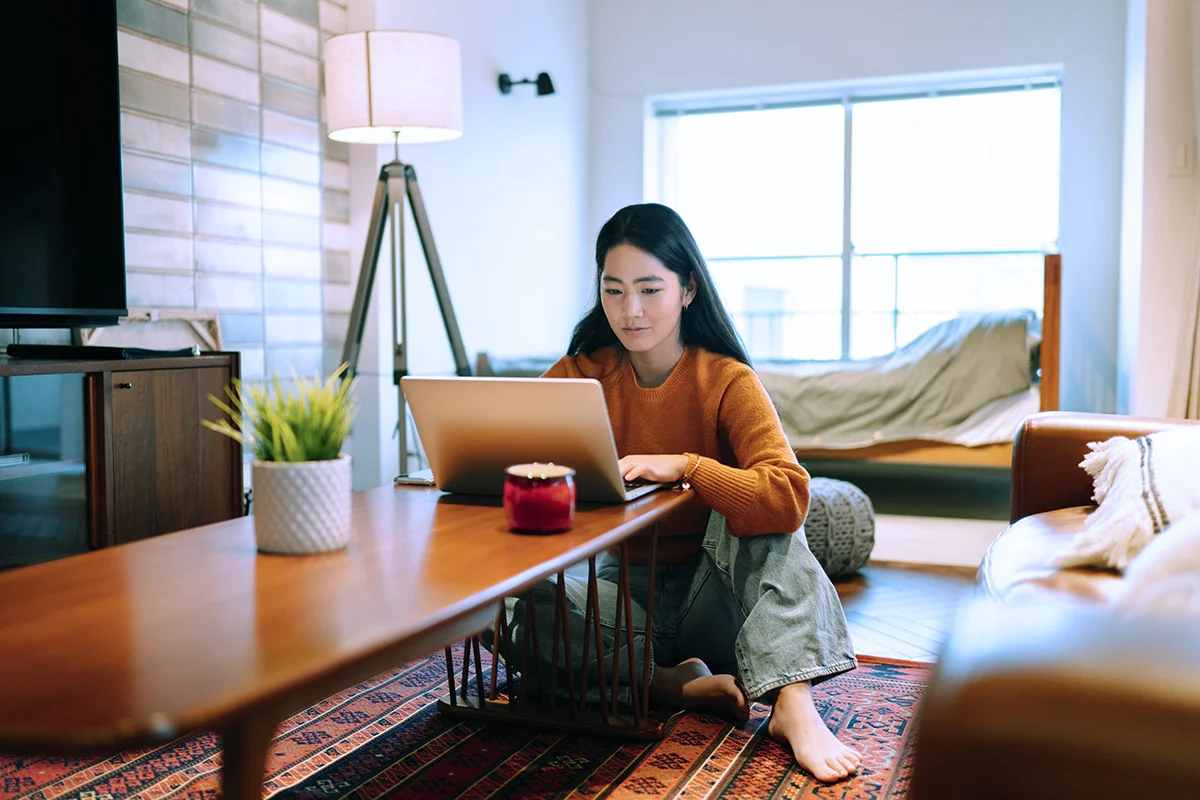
<point>542,82</point>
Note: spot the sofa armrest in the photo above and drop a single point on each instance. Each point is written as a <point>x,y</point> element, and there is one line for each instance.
<point>1048,448</point>
<point>1053,700</point>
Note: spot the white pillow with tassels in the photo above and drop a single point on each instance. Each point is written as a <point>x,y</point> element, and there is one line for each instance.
<point>1142,486</point>
<point>1164,579</point>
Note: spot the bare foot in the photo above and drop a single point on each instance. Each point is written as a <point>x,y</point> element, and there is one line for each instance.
<point>796,723</point>
<point>691,684</point>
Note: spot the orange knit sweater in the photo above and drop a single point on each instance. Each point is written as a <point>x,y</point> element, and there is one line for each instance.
<point>716,407</point>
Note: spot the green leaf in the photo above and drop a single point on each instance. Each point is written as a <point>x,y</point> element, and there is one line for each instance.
<point>308,422</point>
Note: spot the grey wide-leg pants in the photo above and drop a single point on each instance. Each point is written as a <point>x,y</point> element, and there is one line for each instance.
<point>758,607</point>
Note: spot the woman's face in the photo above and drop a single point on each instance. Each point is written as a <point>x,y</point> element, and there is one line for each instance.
<point>642,299</point>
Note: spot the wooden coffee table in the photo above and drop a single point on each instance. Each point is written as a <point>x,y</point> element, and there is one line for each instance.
<point>139,644</point>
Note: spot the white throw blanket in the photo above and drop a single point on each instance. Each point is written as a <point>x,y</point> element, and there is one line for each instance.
<point>1143,485</point>
<point>1165,577</point>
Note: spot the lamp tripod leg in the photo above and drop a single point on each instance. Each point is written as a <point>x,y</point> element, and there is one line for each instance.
<point>397,189</point>
<point>438,278</point>
<point>366,275</point>
<point>398,181</point>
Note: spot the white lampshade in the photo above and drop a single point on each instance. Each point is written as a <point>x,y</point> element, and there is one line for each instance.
<point>380,82</point>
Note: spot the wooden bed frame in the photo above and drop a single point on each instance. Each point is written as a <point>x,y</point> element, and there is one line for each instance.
<point>926,452</point>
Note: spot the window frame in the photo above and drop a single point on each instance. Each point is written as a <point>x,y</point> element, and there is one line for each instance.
<point>847,95</point>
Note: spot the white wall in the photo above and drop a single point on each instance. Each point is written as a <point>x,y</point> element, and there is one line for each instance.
<point>638,48</point>
<point>507,201</point>
<point>1158,226</point>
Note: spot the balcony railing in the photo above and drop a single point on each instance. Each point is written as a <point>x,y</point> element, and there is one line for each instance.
<point>810,307</point>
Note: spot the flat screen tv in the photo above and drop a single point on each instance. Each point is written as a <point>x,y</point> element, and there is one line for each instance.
<point>62,248</point>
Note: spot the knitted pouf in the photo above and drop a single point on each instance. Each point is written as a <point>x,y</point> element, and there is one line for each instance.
<point>840,527</point>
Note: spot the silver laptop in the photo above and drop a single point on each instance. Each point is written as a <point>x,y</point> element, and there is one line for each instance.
<point>473,428</point>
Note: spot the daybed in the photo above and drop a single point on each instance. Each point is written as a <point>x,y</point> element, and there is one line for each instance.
<point>955,396</point>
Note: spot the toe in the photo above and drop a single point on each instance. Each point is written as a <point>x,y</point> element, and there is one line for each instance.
<point>826,773</point>
<point>848,764</point>
<point>835,769</point>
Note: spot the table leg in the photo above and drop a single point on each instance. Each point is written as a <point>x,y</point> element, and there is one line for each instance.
<point>649,621</point>
<point>627,595</point>
<point>244,758</point>
<point>606,718</point>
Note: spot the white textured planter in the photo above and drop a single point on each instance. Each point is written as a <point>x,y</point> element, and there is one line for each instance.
<point>301,506</point>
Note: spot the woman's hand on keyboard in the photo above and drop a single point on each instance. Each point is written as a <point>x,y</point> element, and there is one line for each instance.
<point>653,469</point>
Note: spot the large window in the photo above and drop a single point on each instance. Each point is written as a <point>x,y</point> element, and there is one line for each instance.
<point>843,226</point>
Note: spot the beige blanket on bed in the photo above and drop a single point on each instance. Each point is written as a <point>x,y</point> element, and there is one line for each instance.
<point>933,383</point>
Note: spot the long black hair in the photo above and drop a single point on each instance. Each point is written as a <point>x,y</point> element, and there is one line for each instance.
<point>660,232</point>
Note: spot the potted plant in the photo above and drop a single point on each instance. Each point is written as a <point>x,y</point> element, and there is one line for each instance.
<point>301,479</point>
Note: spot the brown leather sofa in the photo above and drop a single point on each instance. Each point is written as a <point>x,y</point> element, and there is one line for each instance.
<point>1051,497</point>
<point>1043,690</point>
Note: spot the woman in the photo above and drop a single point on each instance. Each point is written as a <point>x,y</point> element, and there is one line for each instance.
<point>735,588</point>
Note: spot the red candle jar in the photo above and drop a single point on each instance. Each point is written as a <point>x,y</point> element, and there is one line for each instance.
<point>539,498</point>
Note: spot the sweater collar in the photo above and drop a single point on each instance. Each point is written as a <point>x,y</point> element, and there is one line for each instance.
<point>674,379</point>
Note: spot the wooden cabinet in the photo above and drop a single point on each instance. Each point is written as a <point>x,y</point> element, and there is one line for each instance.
<point>167,471</point>
<point>152,467</point>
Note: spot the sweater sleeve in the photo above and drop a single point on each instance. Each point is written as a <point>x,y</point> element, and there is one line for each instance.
<point>768,491</point>
<point>595,365</point>
<point>563,368</point>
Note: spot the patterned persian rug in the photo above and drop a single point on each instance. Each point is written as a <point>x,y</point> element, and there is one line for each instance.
<point>385,738</point>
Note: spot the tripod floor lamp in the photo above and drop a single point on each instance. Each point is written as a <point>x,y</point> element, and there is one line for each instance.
<point>395,87</point>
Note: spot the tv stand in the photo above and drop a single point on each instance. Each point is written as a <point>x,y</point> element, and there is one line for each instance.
<point>84,352</point>
<point>151,466</point>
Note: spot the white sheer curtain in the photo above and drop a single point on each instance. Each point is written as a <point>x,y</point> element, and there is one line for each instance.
<point>1185,388</point>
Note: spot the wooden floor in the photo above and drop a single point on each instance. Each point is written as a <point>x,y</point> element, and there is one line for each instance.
<point>900,610</point>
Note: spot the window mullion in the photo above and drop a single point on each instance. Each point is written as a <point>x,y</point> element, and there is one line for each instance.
<point>847,241</point>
